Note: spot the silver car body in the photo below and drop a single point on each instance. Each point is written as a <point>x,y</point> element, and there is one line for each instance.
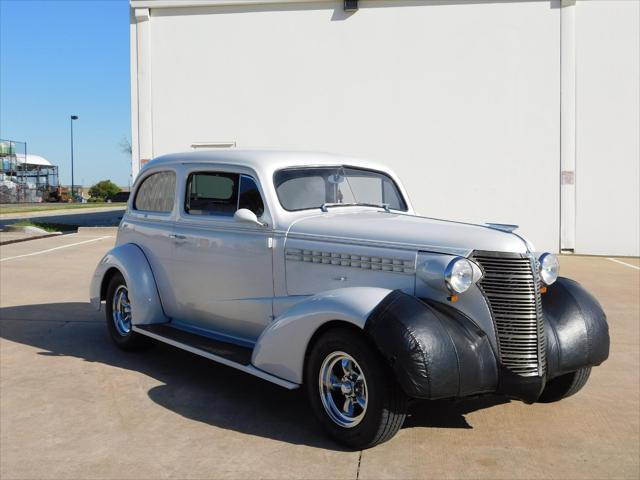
<point>271,287</point>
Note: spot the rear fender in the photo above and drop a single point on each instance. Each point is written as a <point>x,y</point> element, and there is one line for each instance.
<point>282,346</point>
<point>131,262</point>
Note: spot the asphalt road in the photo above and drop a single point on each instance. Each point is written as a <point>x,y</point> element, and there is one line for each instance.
<point>74,406</point>
<point>98,217</point>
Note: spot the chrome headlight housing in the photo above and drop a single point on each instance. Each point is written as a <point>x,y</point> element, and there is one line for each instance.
<point>458,276</point>
<point>549,268</point>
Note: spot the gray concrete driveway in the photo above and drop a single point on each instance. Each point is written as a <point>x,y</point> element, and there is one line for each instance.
<point>74,406</point>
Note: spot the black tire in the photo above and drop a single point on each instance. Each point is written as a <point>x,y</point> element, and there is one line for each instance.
<point>565,385</point>
<point>131,340</point>
<point>386,403</point>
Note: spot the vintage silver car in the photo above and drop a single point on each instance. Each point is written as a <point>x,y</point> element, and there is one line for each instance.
<point>314,270</point>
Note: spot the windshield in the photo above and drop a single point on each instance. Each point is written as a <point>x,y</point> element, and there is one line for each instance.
<point>318,187</point>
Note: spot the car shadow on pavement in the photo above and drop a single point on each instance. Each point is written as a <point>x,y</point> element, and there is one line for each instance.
<point>197,388</point>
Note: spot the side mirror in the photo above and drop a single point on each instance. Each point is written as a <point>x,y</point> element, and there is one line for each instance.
<point>244,215</point>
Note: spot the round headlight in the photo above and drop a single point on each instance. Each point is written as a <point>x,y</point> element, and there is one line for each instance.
<point>549,268</point>
<point>458,275</point>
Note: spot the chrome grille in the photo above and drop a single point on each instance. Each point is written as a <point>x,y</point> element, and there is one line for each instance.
<point>511,286</point>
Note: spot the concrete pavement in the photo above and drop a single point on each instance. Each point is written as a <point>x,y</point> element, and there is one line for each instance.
<point>74,406</point>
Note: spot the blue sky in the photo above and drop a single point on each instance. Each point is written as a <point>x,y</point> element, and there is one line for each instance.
<point>59,58</point>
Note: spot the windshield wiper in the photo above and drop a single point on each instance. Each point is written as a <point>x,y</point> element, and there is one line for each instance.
<point>325,206</point>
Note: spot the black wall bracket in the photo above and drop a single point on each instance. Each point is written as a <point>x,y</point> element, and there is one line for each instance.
<point>350,5</point>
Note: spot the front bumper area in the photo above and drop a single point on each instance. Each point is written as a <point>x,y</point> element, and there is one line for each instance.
<point>435,351</point>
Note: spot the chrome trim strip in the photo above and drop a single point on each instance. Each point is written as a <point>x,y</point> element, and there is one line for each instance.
<point>463,252</point>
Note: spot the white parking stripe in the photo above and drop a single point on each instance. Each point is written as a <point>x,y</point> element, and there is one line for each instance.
<point>56,248</point>
<point>624,263</point>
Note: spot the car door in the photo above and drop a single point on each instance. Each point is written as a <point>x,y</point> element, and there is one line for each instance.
<point>222,273</point>
<point>149,223</point>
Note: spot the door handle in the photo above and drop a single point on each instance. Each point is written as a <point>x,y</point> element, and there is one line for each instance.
<point>175,236</point>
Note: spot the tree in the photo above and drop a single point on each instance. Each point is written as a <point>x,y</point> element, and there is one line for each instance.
<point>104,189</point>
<point>125,146</point>
<point>127,149</point>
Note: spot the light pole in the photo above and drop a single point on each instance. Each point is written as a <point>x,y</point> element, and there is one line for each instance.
<point>73,195</point>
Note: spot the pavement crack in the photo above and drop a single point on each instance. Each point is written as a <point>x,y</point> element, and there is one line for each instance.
<point>359,461</point>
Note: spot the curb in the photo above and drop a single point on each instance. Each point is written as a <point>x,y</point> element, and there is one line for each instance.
<point>37,237</point>
<point>58,212</point>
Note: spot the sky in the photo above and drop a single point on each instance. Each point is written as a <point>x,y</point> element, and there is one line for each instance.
<point>63,58</point>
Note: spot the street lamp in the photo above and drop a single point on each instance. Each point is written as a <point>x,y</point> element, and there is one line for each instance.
<point>73,195</point>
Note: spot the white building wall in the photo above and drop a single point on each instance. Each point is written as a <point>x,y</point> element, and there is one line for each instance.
<point>462,99</point>
<point>608,127</point>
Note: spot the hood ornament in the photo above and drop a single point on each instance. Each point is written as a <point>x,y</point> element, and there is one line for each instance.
<point>505,227</point>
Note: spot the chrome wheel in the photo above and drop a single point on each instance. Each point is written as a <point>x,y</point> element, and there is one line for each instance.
<point>121,310</point>
<point>343,389</point>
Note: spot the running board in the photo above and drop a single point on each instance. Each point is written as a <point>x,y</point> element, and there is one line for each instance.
<point>228,354</point>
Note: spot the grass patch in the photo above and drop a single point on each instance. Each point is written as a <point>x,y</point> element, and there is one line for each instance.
<point>42,207</point>
<point>48,227</point>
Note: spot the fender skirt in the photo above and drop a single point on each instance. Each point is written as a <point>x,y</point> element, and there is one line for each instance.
<point>576,329</point>
<point>434,350</point>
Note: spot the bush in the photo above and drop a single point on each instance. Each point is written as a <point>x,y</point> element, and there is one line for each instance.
<point>95,200</point>
<point>103,189</point>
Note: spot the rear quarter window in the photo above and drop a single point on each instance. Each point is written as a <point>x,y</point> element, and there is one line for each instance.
<point>156,193</point>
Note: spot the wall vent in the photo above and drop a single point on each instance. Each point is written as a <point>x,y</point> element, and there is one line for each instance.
<point>209,145</point>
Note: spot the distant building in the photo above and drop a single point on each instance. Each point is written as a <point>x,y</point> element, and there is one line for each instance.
<point>520,112</point>
<point>24,177</point>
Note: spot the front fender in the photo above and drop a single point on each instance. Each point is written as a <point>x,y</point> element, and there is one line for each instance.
<point>281,348</point>
<point>576,328</point>
<point>434,350</point>
<point>131,262</point>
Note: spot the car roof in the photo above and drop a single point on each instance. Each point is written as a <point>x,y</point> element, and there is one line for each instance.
<point>263,161</point>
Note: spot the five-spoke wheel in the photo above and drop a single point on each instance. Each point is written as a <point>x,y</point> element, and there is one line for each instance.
<point>119,315</point>
<point>121,310</point>
<point>343,389</point>
<point>352,391</point>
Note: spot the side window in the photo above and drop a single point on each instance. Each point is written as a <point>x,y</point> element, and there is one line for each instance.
<point>210,193</point>
<point>221,193</point>
<point>250,196</point>
<point>156,193</point>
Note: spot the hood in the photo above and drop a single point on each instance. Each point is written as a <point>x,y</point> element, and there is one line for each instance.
<point>406,232</point>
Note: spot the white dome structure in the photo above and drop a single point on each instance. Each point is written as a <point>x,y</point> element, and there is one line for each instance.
<point>30,159</point>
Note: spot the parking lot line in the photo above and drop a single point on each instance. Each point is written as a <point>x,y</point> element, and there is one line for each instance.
<point>624,263</point>
<point>55,248</point>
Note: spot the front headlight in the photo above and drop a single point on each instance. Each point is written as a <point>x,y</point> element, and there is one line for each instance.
<point>458,275</point>
<point>549,268</point>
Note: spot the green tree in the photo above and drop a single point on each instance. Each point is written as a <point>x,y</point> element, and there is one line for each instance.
<point>103,189</point>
